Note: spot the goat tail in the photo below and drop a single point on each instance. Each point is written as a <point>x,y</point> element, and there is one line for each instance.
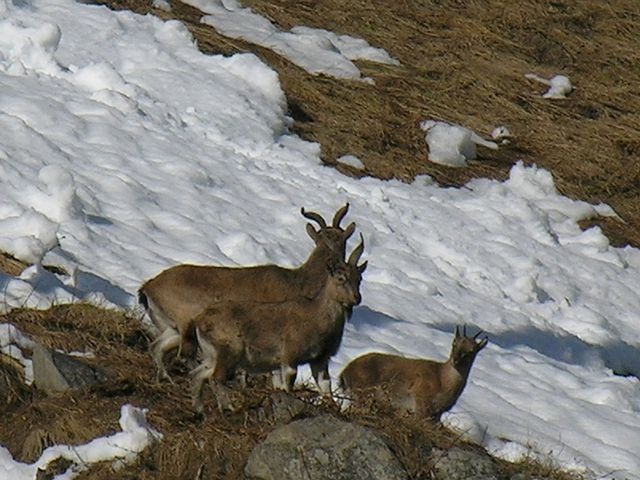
<point>142,299</point>
<point>189,344</point>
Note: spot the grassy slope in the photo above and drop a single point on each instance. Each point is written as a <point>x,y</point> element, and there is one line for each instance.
<point>462,61</point>
<point>191,448</point>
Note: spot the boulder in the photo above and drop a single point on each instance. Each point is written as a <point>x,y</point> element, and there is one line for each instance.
<point>323,447</point>
<point>55,372</point>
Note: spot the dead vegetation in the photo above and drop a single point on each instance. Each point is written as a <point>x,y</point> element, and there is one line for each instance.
<point>11,265</point>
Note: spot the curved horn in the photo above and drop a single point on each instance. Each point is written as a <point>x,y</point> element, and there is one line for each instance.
<point>357,252</point>
<point>337,218</point>
<point>464,330</point>
<point>314,216</point>
<point>478,334</point>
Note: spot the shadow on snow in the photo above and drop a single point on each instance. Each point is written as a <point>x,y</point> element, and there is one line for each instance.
<point>622,358</point>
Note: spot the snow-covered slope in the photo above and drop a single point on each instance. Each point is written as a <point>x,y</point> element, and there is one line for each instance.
<point>123,150</point>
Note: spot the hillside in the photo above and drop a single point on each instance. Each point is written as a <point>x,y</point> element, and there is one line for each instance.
<point>215,447</point>
<point>465,62</point>
<point>560,305</point>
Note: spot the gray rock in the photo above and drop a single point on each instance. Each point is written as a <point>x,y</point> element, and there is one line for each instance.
<point>55,372</point>
<point>284,407</point>
<point>463,464</point>
<point>323,447</point>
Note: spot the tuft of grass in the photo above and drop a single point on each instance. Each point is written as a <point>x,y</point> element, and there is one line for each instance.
<point>533,466</point>
<point>11,265</point>
<point>13,390</point>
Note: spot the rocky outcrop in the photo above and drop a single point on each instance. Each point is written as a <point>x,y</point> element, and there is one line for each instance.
<point>55,372</point>
<point>323,447</point>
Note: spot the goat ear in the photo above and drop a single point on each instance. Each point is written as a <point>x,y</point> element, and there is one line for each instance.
<point>313,233</point>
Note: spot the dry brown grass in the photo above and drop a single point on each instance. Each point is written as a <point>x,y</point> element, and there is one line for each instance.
<point>11,265</point>
<point>65,419</point>
<point>12,387</point>
<point>214,448</point>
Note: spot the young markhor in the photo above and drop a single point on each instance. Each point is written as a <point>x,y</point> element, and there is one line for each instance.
<point>424,387</point>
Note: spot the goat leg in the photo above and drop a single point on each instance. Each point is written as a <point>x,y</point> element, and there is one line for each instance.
<point>166,341</point>
<point>288,375</point>
<point>320,372</point>
<point>226,368</point>
<point>223,396</point>
<point>276,380</point>
<point>198,376</point>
